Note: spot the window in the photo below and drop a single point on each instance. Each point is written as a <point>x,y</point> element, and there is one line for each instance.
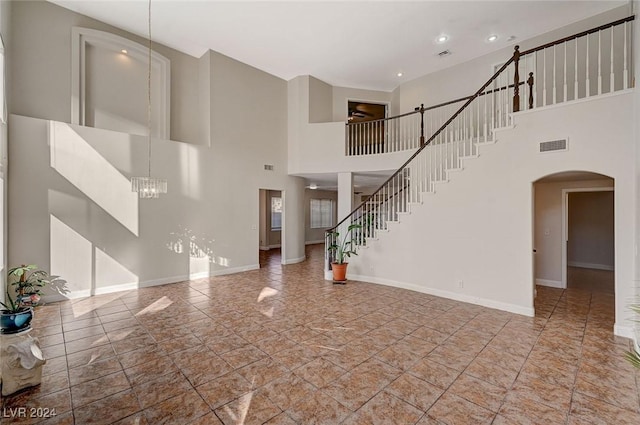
<point>276,213</point>
<point>321,213</point>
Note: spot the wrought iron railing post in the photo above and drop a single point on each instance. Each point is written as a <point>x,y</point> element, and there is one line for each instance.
<point>516,80</point>
<point>530,83</point>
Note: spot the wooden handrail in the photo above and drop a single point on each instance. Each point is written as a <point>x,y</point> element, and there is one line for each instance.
<point>580,34</point>
<point>516,56</point>
<point>433,136</point>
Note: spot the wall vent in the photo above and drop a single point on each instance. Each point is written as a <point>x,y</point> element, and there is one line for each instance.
<point>554,146</point>
<point>268,167</point>
<point>444,53</point>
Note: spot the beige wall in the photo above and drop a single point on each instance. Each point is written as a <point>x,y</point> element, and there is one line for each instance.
<point>317,235</point>
<point>5,30</point>
<point>100,245</point>
<point>40,47</point>
<point>320,101</point>
<point>548,227</point>
<point>591,229</point>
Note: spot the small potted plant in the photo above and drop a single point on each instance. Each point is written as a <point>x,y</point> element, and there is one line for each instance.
<point>28,281</point>
<point>633,356</point>
<point>15,317</point>
<point>341,249</point>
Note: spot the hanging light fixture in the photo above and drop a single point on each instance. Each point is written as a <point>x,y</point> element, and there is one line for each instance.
<point>149,187</point>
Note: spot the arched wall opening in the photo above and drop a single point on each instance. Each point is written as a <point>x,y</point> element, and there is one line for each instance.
<point>574,243</point>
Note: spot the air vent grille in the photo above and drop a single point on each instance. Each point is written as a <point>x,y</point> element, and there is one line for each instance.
<point>554,145</point>
<point>444,53</point>
<point>268,167</point>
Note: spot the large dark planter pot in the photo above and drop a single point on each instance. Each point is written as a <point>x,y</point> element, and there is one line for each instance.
<point>11,323</point>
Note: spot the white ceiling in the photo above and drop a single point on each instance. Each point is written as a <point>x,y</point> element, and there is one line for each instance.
<point>361,44</point>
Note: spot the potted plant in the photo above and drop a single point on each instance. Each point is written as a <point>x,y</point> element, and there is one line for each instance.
<point>633,356</point>
<point>15,317</point>
<point>341,249</point>
<point>28,281</point>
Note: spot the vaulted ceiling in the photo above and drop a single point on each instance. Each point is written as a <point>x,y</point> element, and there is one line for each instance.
<point>363,44</point>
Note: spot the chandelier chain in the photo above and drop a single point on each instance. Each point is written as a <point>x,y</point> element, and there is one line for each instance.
<point>149,90</point>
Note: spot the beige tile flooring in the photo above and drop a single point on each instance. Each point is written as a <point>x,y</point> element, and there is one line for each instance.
<point>282,346</point>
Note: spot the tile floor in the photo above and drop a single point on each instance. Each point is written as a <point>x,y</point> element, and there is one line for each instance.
<point>282,346</point>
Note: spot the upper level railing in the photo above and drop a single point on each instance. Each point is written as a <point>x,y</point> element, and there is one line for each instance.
<point>445,134</point>
<point>582,65</point>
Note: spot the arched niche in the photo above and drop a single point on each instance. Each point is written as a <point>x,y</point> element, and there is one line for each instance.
<point>109,84</point>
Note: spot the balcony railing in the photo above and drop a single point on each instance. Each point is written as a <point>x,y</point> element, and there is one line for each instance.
<point>583,65</point>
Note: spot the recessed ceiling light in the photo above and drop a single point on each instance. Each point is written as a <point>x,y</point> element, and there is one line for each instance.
<point>399,74</point>
<point>313,186</point>
<point>492,38</point>
<point>441,39</point>
<point>124,51</point>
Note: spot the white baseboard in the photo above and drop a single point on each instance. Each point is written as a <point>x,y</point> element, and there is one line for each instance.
<point>267,248</point>
<point>314,242</point>
<point>83,293</point>
<point>590,266</point>
<point>624,331</point>
<point>294,260</point>
<point>512,308</point>
<point>550,283</point>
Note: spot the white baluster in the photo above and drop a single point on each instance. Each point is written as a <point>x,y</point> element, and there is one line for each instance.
<point>544,77</point>
<point>587,82</point>
<point>612,78</point>
<point>599,62</point>
<point>564,97</point>
<point>554,76</point>
<point>625,75</point>
<point>575,71</point>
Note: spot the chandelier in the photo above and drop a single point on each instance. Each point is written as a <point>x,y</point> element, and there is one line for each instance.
<point>149,187</point>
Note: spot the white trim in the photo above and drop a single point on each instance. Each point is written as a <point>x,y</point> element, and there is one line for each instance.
<point>314,242</point>
<point>155,282</point>
<point>590,266</point>
<point>293,260</point>
<point>572,102</point>
<point>512,308</point>
<point>565,222</point>
<point>549,283</point>
<point>80,37</point>
<point>268,247</point>
<point>625,331</point>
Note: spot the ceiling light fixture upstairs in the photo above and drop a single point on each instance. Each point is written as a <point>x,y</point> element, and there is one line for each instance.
<point>399,74</point>
<point>492,38</point>
<point>441,39</point>
<point>124,51</point>
<point>148,187</point>
<point>313,186</point>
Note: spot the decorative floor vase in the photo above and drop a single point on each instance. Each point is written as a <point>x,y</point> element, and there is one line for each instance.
<point>11,323</point>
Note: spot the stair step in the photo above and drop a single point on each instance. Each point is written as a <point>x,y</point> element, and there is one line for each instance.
<point>455,170</point>
<point>488,142</point>
<point>472,156</point>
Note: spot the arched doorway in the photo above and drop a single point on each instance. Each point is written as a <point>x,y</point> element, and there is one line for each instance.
<point>574,239</point>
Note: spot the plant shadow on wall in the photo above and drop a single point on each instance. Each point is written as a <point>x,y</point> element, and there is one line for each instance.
<point>198,246</point>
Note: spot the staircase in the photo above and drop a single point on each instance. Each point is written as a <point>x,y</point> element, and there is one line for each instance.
<point>443,137</point>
